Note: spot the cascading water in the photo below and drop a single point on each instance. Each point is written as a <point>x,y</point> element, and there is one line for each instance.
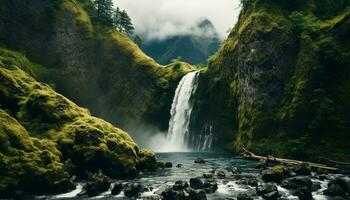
<point>181,109</point>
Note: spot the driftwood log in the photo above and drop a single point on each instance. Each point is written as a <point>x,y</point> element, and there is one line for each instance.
<point>249,155</point>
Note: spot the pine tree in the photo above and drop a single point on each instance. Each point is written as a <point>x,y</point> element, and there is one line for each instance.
<point>104,11</point>
<point>117,20</point>
<point>125,21</point>
<point>138,40</point>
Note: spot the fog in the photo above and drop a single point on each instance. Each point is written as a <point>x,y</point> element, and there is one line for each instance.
<point>159,19</point>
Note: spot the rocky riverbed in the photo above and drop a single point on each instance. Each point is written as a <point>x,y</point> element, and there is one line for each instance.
<point>214,176</point>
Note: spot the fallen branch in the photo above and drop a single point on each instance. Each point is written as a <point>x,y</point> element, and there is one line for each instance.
<point>249,155</point>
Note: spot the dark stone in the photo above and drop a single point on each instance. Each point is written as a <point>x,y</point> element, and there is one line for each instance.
<point>180,185</point>
<point>170,194</point>
<point>251,181</point>
<point>196,183</point>
<point>297,182</point>
<point>147,161</point>
<point>200,161</point>
<point>133,190</point>
<point>179,165</point>
<point>117,188</point>
<point>210,187</point>
<point>272,176</point>
<point>337,187</point>
<point>244,196</point>
<point>221,174</point>
<point>316,186</point>
<point>196,194</point>
<point>64,185</point>
<point>304,193</point>
<point>271,195</point>
<point>98,184</point>
<point>160,165</point>
<point>302,169</point>
<point>168,165</point>
<point>266,188</point>
<point>235,170</point>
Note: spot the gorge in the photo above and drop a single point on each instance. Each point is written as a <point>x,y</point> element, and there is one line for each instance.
<point>79,100</point>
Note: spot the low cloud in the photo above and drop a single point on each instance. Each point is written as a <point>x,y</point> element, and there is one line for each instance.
<point>159,19</point>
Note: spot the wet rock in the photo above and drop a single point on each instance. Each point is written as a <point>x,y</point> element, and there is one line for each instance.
<point>170,194</point>
<point>337,187</point>
<point>221,174</point>
<point>244,196</point>
<point>180,185</point>
<point>196,194</point>
<point>271,195</point>
<point>316,186</point>
<point>297,182</point>
<point>200,161</point>
<point>251,181</point>
<point>64,185</point>
<point>276,174</point>
<point>147,161</point>
<point>117,188</point>
<point>133,190</point>
<point>266,188</point>
<point>235,170</point>
<point>179,165</point>
<point>99,183</point>
<point>304,193</point>
<point>261,165</point>
<point>196,183</point>
<point>168,165</point>
<point>303,169</point>
<point>160,165</point>
<point>210,186</point>
<point>208,175</point>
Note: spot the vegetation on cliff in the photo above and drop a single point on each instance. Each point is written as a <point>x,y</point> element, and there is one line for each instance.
<point>285,79</point>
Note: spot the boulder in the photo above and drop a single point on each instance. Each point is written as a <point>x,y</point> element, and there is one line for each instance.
<point>297,182</point>
<point>337,187</point>
<point>196,183</point>
<point>168,165</point>
<point>221,174</point>
<point>200,160</point>
<point>304,193</point>
<point>302,169</point>
<point>316,186</point>
<point>266,188</point>
<point>64,185</point>
<point>160,165</point>
<point>275,174</point>
<point>147,161</point>
<point>271,195</point>
<point>99,183</point>
<point>179,165</point>
<point>251,181</point>
<point>117,188</point>
<point>180,185</point>
<point>196,194</point>
<point>171,194</point>
<point>133,190</point>
<point>210,186</point>
<point>244,196</point>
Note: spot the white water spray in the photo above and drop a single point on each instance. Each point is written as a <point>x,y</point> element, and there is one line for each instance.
<point>181,110</point>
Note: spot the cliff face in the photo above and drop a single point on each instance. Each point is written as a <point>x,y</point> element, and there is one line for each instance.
<point>92,64</point>
<point>280,82</point>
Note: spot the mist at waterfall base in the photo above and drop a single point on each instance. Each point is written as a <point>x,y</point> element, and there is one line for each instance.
<point>179,137</point>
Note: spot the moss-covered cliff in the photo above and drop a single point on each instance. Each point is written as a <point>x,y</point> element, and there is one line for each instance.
<point>280,82</point>
<point>41,129</point>
<point>90,63</point>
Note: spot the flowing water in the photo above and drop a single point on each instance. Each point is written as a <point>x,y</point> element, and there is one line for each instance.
<point>181,111</point>
<point>228,187</point>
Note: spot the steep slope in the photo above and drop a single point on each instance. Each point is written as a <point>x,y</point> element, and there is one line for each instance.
<point>194,48</point>
<point>40,130</point>
<point>94,65</point>
<point>280,83</point>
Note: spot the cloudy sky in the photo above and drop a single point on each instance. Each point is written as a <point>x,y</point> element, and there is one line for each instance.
<point>158,19</point>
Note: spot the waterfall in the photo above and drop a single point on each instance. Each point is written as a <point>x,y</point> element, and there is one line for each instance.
<point>181,109</point>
